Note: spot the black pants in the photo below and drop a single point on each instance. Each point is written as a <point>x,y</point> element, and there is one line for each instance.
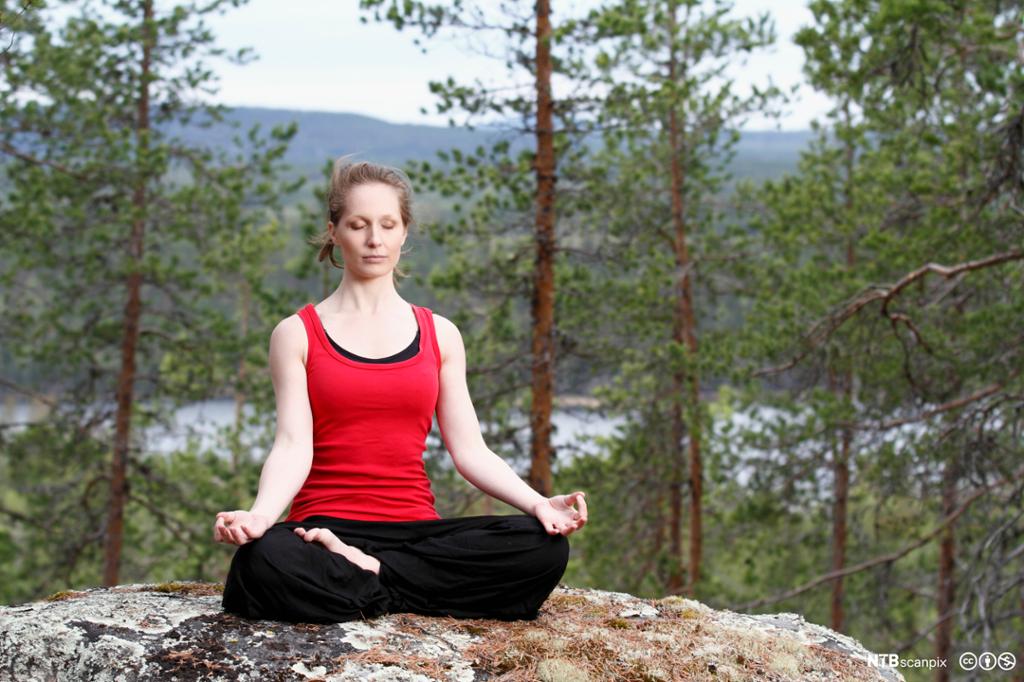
<point>491,566</point>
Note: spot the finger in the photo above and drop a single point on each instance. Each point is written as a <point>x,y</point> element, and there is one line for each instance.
<point>223,523</point>
<point>583,504</point>
<point>568,501</point>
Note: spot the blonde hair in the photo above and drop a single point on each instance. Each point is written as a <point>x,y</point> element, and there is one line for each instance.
<point>344,177</point>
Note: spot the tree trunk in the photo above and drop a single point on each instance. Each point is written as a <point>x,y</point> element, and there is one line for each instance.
<point>675,544</point>
<point>238,451</point>
<point>240,395</point>
<point>841,472</point>
<point>841,459</point>
<point>685,382</point>
<point>696,480</point>
<point>132,315</point>
<point>543,308</point>
<point>947,584</point>
<point>1019,675</point>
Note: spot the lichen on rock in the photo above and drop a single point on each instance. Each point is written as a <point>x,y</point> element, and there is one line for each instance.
<point>178,630</point>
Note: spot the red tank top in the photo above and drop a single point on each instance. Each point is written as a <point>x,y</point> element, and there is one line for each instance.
<point>370,426</point>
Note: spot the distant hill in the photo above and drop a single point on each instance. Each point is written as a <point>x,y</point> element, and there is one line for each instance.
<point>324,135</point>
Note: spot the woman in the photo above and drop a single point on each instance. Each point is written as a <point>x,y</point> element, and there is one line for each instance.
<point>362,537</point>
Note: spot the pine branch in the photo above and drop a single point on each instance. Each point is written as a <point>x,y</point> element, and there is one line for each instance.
<point>824,329</point>
<point>29,392</point>
<point>885,558</point>
<point>28,158</point>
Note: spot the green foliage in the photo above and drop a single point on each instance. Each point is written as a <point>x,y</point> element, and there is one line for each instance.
<point>487,198</point>
<point>873,293</point>
<point>653,190</point>
<point>906,175</point>
<point>104,204</point>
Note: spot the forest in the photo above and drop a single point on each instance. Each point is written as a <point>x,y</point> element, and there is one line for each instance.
<point>806,349</point>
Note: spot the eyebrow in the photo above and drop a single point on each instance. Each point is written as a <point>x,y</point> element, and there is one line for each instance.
<point>386,216</point>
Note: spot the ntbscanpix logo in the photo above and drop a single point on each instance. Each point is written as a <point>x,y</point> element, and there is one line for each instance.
<point>894,661</point>
<point>985,661</point>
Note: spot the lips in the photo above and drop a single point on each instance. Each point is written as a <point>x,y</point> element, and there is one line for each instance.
<point>374,258</point>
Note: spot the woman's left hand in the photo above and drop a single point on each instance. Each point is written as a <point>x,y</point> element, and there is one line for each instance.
<point>557,514</point>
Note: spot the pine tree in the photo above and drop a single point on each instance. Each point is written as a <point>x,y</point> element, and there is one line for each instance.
<point>122,245</point>
<point>669,130</point>
<point>507,186</point>
<point>917,177</point>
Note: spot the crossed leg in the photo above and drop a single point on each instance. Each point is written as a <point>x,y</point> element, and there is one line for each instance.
<point>280,576</point>
<point>472,567</point>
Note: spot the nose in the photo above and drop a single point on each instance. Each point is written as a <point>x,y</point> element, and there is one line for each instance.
<point>374,235</point>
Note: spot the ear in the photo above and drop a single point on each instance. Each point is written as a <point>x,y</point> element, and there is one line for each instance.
<point>330,229</point>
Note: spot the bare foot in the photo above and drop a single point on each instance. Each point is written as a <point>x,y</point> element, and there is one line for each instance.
<point>332,543</point>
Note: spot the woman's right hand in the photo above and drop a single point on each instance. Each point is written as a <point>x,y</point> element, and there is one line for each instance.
<point>239,527</point>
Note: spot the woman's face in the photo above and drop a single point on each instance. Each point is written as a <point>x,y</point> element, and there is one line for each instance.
<point>371,233</point>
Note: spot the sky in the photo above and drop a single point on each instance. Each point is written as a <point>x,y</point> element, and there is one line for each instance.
<point>315,55</point>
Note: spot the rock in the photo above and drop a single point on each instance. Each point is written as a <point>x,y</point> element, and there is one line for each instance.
<point>177,631</point>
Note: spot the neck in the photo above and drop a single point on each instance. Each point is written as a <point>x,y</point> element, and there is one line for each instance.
<point>366,298</point>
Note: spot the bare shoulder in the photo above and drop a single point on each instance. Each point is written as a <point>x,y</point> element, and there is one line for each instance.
<point>288,374</point>
<point>289,338</point>
<point>449,338</point>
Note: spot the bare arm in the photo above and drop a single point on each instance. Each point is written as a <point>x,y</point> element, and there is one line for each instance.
<point>291,456</point>
<point>460,430</point>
